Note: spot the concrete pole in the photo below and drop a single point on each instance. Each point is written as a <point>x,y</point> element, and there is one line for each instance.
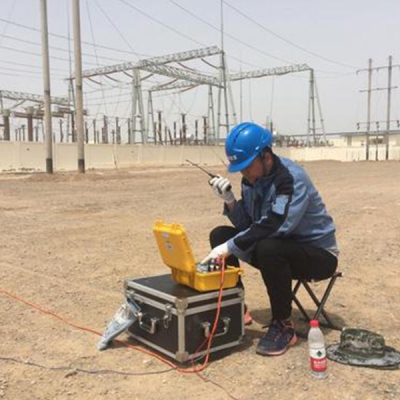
<point>368,109</point>
<point>205,127</point>
<point>175,132</point>
<point>139,105</point>
<point>70,119</point>
<point>95,139</point>
<point>224,73</point>
<point>219,105</point>
<point>170,137</point>
<point>129,130</point>
<point>78,84</point>
<point>86,132</point>
<point>160,126</point>
<point>225,94</point>
<point>308,117</point>
<point>184,132</point>
<point>150,117</point>
<point>6,119</point>
<point>29,117</point>
<point>61,131</point>
<point>155,132</point>
<point>134,106</point>
<point>232,102</point>
<point>321,118</point>
<point>388,108</point>
<point>73,130</point>
<point>211,116</point>
<point>105,129</point>
<point>46,87</point>
<point>312,98</point>
<point>118,130</point>
<point>241,96</point>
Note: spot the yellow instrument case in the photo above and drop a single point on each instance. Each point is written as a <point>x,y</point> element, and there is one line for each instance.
<point>176,253</point>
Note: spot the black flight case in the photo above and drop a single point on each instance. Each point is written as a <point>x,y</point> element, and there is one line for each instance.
<point>176,320</point>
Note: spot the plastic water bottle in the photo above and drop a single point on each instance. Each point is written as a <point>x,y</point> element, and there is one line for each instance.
<point>316,345</point>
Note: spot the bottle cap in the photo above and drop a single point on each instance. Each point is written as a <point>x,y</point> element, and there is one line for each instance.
<point>314,323</point>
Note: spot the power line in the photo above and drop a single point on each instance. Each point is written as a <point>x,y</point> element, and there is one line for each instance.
<point>286,40</point>
<point>128,93</point>
<point>9,16</point>
<point>27,71</point>
<point>241,41</point>
<point>20,76</point>
<point>87,103</point>
<point>162,23</point>
<point>180,33</point>
<point>40,55</point>
<point>30,53</point>
<point>69,39</point>
<point>227,34</point>
<point>95,51</point>
<point>115,27</point>
<point>107,88</point>
<point>30,65</point>
<point>55,48</point>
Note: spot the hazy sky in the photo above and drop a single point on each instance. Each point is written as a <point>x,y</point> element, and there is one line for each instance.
<point>336,38</point>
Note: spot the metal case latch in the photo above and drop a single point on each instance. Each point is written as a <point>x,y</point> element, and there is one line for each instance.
<point>148,327</point>
<point>167,316</point>
<point>206,327</point>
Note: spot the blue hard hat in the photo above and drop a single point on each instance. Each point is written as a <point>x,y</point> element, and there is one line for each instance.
<point>244,143</point>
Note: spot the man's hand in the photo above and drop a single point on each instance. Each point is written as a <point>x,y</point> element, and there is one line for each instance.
<point>222,188</point>
<point>220,251</point>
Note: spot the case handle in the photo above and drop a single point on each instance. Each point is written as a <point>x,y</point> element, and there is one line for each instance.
<point>206,327</point>
<point>150,328</point>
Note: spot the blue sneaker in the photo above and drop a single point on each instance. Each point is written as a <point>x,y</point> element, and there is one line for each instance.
<point>277,339</point>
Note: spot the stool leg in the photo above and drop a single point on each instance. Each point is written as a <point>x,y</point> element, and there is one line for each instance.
<point>297,301</point>
<point>321,304</point>
<point>301,308</point>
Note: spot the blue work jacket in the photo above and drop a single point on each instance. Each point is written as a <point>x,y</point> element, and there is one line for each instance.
<point>283,204</point>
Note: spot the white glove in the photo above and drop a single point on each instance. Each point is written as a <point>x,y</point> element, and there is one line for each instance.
<point>222,188</point>
<point>220,251</point>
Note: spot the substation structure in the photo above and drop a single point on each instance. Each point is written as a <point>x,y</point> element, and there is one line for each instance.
<point>147,127</point>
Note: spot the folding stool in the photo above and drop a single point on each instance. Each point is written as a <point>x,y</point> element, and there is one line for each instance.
<point>319,303</point>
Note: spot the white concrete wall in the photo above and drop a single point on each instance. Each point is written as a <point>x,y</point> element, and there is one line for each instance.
<point>22,156</point>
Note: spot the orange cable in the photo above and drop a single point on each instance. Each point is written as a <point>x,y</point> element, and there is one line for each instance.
<point>83,328</point>
<point>138,348</point>
<point>209,339</point>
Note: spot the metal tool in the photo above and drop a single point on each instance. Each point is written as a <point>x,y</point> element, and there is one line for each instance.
<point>207,172</point>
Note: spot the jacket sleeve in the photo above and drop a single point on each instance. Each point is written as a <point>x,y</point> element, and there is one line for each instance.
<point>238,215</point>
<point>280,217</point>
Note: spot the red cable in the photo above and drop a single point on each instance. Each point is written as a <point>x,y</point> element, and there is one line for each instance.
<point>210,337</point>
<point>138,348</point>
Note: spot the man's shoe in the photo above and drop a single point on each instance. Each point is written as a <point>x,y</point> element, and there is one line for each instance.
<point>277,339</point>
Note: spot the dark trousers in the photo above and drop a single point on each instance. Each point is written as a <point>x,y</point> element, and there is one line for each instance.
<point>280,261</point>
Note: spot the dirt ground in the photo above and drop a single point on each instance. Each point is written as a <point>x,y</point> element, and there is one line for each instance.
<point>67,242</point>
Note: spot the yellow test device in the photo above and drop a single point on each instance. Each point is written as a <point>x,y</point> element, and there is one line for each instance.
<point>177,254</point>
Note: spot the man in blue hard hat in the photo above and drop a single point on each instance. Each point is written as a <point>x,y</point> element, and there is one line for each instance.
<point>280,226</point>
